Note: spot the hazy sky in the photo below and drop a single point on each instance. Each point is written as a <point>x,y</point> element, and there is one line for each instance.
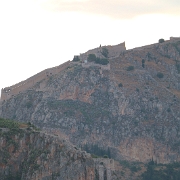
<point>38,34</point>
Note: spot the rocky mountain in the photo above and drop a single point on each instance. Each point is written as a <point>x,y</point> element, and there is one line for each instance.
<point>128,108</point>
<point>26,153</point>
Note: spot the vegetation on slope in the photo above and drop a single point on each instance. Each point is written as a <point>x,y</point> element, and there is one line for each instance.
<point>97,60</point>
<point>162,171</point>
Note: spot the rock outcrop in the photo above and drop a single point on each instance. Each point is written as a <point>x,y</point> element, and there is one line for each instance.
<point>131,109</point>
<point>32,155</point>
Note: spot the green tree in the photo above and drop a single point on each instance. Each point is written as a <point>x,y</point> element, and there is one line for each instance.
<point>160,75</point>
<point>76,58</point>
<point>130,68</point>
<point>161,40</point>
<point>91,57</point>
<point>143,63</point>
<point>105,52</point>
<point>102,61</point>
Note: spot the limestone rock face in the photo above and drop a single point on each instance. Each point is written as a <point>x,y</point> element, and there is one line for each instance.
<point>30,155</point>
<point>140,148</point>
<point>131,109</point>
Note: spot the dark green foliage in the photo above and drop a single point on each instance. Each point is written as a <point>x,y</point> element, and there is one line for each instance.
<point>143,63</point>
<point>105,52</point>
<point>162,172</point>
<point>160,75</point>
<point>12,177</point>
<point>32,127</point>
<point>76,59</point>
<point>91,57</point>
<point>178,68</point>
<point>120,85</point>
<point>97,151</point>
<point>133,166</point>
<point>6,123</point>
<point>29,104</point>
<point>130,68</point>
<point>94,156</point>
<point>137,89</point>
<point>161,40</point>
<point>70,108</point>
<point>101,61</point>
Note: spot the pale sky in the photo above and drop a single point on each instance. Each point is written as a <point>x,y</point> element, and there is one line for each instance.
<point>39,34</point>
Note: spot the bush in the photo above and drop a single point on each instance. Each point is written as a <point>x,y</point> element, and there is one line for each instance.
<point>101,61</point>
<point>178,68</point>
<point>91,57</point>
<point>120,85</point>
<point>6,123</point>
<point>160,75</point>
<point>130,68</point>
<point>76,58</point>
<point>97,60</point>
<point>105,52</point>
<point>143,63</point>
<point>161,40</point>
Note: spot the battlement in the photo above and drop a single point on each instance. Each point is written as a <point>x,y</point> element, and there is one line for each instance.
<point>174,38</point>
<point>113,51</point>
<point>8,92</point>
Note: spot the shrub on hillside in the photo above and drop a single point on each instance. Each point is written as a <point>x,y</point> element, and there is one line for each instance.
<point>130,68</point>
<point>143,63</point>
<point>178,68</point>
<point>97,60</point>
<point>6,123</point>
<point>105,52</point>
<point>160,75</point>
<point>91,58</point>
<point>161,40</point>
<point>101,61</point>
<point>76,58</point>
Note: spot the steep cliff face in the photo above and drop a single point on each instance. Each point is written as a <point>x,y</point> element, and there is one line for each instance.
<point>28,154</point>
<point>35,155</point>
<point>132,109</point>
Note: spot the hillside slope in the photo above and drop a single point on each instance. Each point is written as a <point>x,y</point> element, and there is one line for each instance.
<point>131,110</point>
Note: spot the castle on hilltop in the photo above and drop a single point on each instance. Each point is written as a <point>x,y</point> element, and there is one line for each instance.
<point>113,51</point>
<point>13,90</point>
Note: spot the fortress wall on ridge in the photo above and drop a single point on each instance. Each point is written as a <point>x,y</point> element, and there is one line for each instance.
<point>8,92</point>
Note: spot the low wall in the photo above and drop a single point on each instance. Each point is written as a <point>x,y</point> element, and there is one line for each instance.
<point>8,92</point>
<point>90,64</point>
<point>174,38</point>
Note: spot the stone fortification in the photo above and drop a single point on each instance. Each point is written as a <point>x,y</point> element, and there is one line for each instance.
<point>8,92</point>
<point>33,155</point>
<point>172,39</point>
<point>90,64</point>
<point>113,51</point>
<point>105,167</point>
